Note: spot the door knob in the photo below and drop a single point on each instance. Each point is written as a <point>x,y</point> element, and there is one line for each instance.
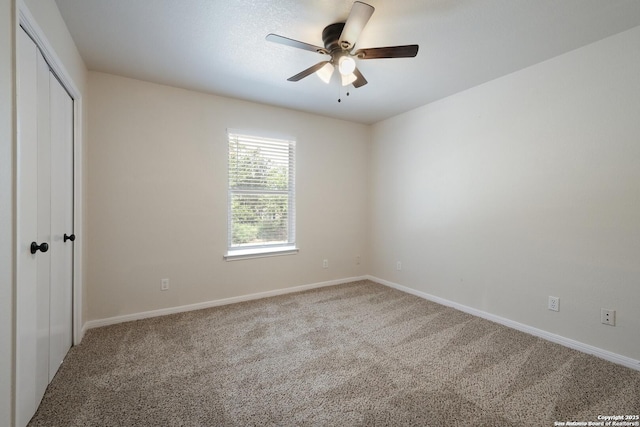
<point>43,247</point>
<point>72,237</point>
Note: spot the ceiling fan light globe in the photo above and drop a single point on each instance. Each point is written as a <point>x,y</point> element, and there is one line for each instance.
<point>348,79</point>
<point>325,73</point>
<point>346,65</point>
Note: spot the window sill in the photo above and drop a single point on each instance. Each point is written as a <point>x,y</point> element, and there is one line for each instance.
<point>240,254</point>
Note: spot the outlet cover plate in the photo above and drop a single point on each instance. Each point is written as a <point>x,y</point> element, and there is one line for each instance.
<point>608,317</point>
<point>554,303</point>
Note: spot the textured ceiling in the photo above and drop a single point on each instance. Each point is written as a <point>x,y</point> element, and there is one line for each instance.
<point>219,46</point>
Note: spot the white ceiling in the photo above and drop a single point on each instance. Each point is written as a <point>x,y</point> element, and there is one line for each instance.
<point>219,46</point>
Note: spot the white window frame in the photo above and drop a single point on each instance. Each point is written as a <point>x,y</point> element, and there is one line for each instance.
<point>270,249</point>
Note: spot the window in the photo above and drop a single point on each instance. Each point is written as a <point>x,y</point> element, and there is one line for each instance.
<point>261,197</point>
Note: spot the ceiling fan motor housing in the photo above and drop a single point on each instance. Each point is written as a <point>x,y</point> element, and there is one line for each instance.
<point>331,36</point>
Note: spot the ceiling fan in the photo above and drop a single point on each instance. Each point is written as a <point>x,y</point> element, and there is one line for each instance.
<point>339,43</point>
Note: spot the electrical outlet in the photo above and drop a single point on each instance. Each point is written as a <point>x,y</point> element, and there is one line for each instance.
<point>325,263</point>
<point>164,284</point>
<point>398,265</point>
<point>358,260</point>
<point>554,303</point>
<point>608,317</point>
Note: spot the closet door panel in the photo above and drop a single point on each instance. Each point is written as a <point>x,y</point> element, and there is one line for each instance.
<point>44,229</point>
<point>61,224</point>
<point>27,225</point>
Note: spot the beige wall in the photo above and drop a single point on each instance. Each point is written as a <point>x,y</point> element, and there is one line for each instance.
<point>521,188</point>
<point>157,197</point>
<point>7,242</point>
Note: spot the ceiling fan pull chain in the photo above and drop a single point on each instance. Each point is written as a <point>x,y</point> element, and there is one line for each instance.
<point>340,93</point>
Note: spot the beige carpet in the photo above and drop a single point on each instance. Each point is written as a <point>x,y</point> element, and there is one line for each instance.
<point>358,354</point>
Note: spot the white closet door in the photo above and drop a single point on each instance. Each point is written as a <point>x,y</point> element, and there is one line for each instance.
<point>34,225</point>
<point>27,226</point>
<point>60,327</point>
<point>44,193</point>
<point>44,228</point>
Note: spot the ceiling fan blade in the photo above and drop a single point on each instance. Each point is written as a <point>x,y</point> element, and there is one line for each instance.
<point>360,80</point>
<point>408,51</point>
<point>295,43</point>
<point>301,75</point>
<point>358,18</point>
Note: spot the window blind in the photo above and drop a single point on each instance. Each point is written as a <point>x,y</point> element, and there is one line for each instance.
<point>261,198</point>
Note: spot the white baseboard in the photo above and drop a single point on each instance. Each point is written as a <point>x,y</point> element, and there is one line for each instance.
<point>576,345</point>
<point>207,304</point>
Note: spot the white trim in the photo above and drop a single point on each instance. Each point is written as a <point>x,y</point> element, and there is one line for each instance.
<point>261,133</point>
<point>30,25</point>
<point>84,329</point>
<point>240,254</point>
<point>567,342</point>
<point>78,221</point>
<point>215,303</point>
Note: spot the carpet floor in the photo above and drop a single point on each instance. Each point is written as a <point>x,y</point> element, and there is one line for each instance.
<point>359,354</point>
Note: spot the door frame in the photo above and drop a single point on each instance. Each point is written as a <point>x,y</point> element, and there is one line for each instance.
<point>30,25</point>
